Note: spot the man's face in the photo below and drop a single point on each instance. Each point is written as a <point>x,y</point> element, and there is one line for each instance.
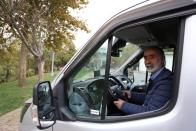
<point>152,60</point>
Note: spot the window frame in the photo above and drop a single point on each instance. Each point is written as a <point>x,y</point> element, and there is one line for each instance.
<point>177,56</point>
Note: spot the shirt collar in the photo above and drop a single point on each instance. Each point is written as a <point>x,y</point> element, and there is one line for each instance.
<point>155,74</point>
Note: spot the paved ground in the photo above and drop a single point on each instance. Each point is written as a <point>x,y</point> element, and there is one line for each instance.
<point>10,121</point>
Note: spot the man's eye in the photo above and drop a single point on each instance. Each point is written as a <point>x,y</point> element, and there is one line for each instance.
<point>151,57</point>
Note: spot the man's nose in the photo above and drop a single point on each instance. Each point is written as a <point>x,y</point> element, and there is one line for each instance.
<point>147,61</point>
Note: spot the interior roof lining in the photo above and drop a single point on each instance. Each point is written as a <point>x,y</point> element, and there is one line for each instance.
<point>151,33</point>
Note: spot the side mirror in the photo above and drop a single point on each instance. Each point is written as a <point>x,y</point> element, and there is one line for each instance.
<point>43,99</point>
<point>116,47</point>
<point>97,73</point>
<point>116,53</point>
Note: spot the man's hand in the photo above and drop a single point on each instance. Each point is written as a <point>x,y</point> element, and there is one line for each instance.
<point>119,103</point>
<point>127,94</point>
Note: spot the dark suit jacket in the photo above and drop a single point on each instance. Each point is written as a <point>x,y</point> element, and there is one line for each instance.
<point>157,96</point>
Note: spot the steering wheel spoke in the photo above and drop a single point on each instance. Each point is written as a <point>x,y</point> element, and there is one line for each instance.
<point>118,84</point>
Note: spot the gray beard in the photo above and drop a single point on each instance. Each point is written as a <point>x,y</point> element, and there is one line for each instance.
<point>152,70</point>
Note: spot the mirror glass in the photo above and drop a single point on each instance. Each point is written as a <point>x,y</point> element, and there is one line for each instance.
<point>45,104</point>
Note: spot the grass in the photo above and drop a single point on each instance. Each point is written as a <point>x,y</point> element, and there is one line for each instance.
<point>12,96</point>
<point>82,73</point>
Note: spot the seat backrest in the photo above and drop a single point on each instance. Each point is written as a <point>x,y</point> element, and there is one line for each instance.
<point>78,104</point>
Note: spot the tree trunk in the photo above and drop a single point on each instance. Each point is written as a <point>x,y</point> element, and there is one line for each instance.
<point>52,68</point>
<point>40,66</point>
<point>23,67</point>
<point>7,76</point>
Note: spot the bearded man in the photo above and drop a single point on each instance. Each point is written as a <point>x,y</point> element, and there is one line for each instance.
<point>158,92</point>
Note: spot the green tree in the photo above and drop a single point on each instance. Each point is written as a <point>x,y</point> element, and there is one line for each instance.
<point>9,61</point>
<point>39,23</point>
<point>63,56</point>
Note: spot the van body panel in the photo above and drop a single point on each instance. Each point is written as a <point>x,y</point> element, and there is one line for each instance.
<point>28,124</point>
<point>182,116</point>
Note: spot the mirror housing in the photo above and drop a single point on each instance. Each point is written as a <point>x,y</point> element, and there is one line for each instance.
<point>116,47</point>
<point>43,99</point>
<point>116,53</point>
<point>97,73</point>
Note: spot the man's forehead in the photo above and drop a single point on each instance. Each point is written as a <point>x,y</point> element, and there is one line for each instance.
<point>149,52</point>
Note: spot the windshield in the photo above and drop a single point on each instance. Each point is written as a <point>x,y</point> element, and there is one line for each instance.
<point>126,53</point>
<point>94,66</point>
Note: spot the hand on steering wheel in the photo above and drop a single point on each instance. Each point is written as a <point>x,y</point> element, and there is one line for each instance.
<point>118,90</point>
<point>127,94</point>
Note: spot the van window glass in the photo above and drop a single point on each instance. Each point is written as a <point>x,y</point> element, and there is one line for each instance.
<point>127,73</point>
<point>86,86</point>
<point>125,53</point>
<point>150,90</point>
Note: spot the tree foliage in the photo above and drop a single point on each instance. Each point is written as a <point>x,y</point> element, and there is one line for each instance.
<point>9,61</point>
<point>63,56</point>
<point>40,23</point>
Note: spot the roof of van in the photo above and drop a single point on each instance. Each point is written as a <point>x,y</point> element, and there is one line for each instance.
<point>138,11</point>
<point>147,11</point>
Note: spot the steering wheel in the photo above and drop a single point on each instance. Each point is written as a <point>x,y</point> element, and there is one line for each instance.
<point>125,81</point>
<point>115,91</point>
<point>117,81</point>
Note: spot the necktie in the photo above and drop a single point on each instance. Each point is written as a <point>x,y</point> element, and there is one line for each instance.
<point>149,85</point>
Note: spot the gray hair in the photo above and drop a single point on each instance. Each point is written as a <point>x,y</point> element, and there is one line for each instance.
<point>159,50</point>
